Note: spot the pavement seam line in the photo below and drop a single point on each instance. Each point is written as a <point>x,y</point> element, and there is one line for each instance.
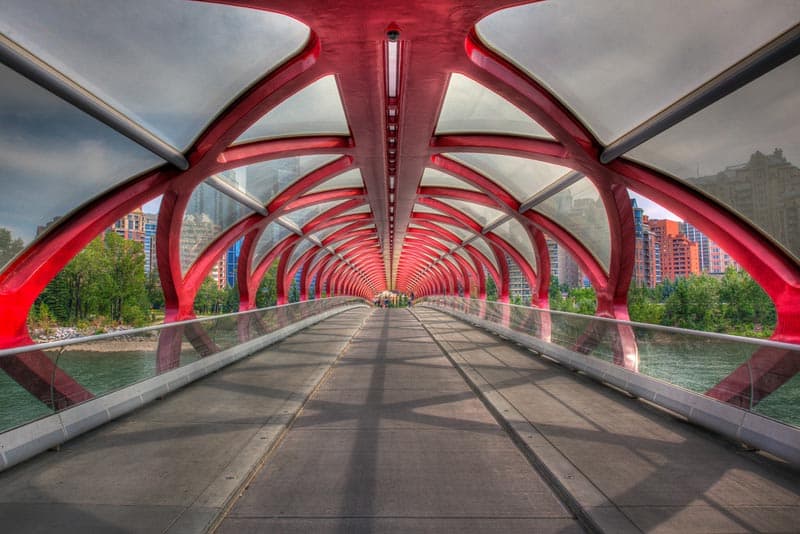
<point>583,514</point>
<point>277,440</point>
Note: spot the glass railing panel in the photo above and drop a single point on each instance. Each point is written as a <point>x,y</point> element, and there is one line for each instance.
<point>109,364</point>
<point>784,403</point>
<point>18,405</point>
<point>690,361</point>
<point>94,366</point>
<point>752,374</point>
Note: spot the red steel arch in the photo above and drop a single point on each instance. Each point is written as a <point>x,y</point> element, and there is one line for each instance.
<point>391,141</point>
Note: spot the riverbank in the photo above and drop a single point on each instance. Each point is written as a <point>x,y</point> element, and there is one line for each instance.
<point>60,333</point>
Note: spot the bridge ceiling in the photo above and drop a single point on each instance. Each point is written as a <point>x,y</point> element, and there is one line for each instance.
<point>387,141</point>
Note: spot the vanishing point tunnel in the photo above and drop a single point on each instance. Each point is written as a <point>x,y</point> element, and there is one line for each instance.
<point>390,166</point>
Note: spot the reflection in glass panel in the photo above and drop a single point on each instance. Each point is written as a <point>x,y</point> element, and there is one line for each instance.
<point>167,64</point>
<point>483,247</point>
<point>319,256</point>
<point>744,151</point>
<point>272,235</point>
<point>425,251</point>
<point>208,214</point>
<point>463,253</point>
<point>346,180</point>
<point>304,215</point>
<point>462,233</point>
<point>53,158</point>
<point>422,208</point>
<point>322,234</point>
<point>264,181</point>
<point>345,238</point>
<point>580,211</point>
<point>317,109</point>
<point>454,262</point>
<point>447,244</point>
<point>299,250</point>
<point>469,107</point>
<point>436,178</point>
<point>644,55</point>
<point>516,235</point>
<point>521,177</point>
<point>360,209</point>
<point>483,215</point>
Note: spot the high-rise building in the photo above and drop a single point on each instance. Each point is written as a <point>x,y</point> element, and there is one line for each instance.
<point>644,263</point>
<point>41,228</point>
<point>719,260</point>
<point>552,251</point>
<point>766,190</point>
<point>150,227</point>
<point>232,261</point>
<point>217,273</point>
<point>679,256</point>
<point>703,245</point>
<point>713,259</point>
<point>131,226</point>
<point>517,283</point>
<point>563,267</point>
<point>569,273</point>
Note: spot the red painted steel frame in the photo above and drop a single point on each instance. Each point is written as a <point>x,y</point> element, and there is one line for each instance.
<point>358,30</point>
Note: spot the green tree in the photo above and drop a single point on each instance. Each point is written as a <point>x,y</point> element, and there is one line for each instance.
<point>267,294</point>
<point>155,293</point>
<point>666,288</point>
<point>56,298</point>
<point>122,291</point>
<point>491,289</point>
<point>294,292</point>
<point>231,301</point>
<point>554,291</point>
<point>105,281</point>
<point>582,300</point>
<point>644,306</point>
<point>9,247</point>
<point>209,299</point>
<point>746,308</point>
<point>694,303</point>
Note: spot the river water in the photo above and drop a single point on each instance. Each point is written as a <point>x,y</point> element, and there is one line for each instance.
<point>98,372</point>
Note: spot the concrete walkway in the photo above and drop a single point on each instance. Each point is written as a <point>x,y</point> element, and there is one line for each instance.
<point>174,465</point>
<point>394,440</point>
<point>630,466</point>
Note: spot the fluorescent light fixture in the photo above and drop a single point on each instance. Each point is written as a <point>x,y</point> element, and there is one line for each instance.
<point>392,67</point>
